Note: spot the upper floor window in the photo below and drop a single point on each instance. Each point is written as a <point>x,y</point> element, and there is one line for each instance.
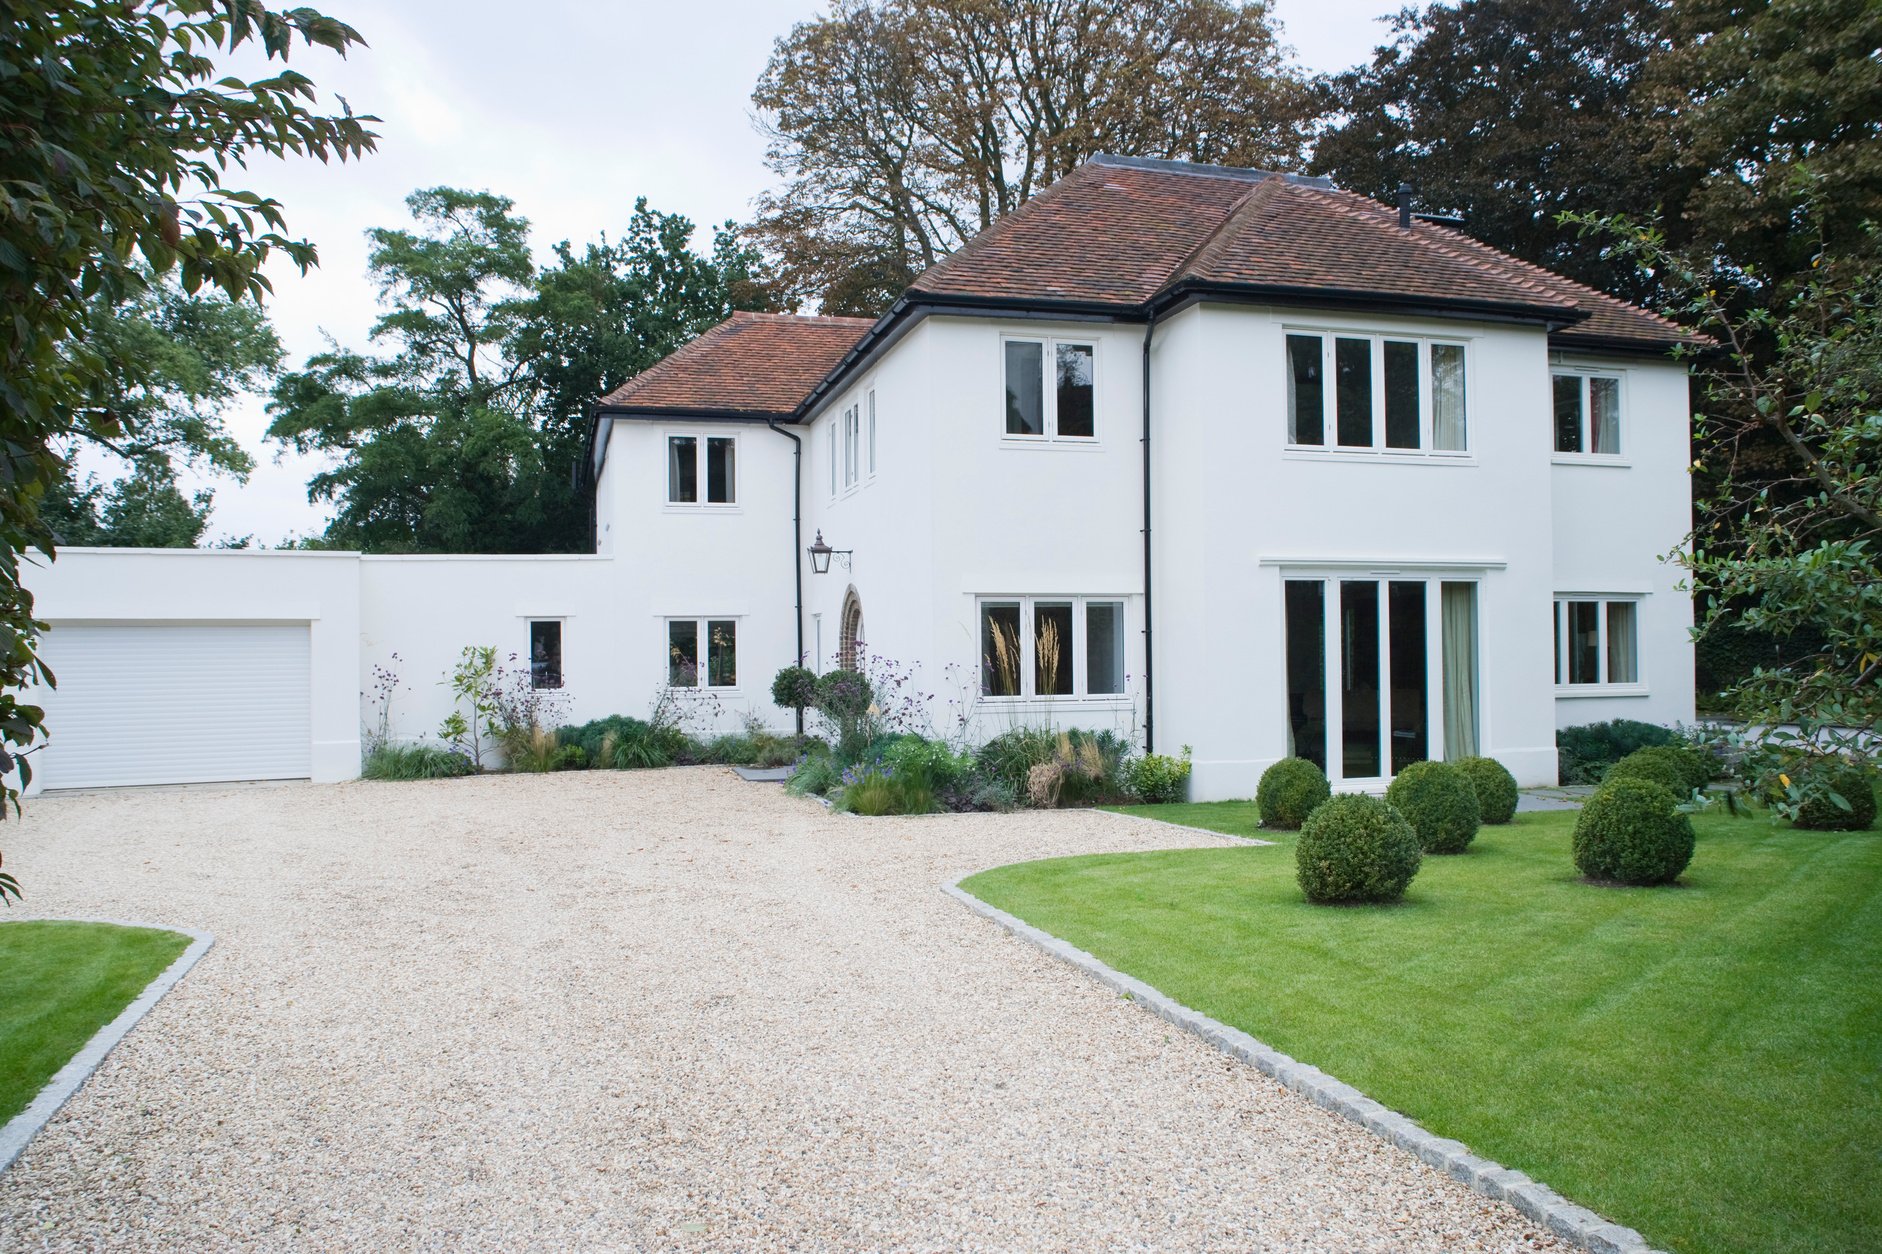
<point>852,445</point>
<point>1375,392</point>
<point>872,432</point>
<point>1067,408</point>
<point>683,470</point>
<point>1051,647</point>
<point>714,667</point>
<point>1587,414</point>
<point>1597,642</point>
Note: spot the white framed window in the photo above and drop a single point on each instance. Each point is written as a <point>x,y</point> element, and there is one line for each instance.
<point>1375,393</point>
<point>545,653</point>
<point>702,470</point>
<point>702,652</point>
<point>1587,413</point>
<point>1597,642</point>
<point>831,441</point>
<point>872,433</point>
<point>1051,389</point>
<point>1051,647</point>
<point>852,446</point>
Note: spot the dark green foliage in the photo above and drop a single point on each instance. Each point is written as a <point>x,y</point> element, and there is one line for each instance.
<point>874,792</point>
<point>1632,832</point>
<point>1010,756</point>
<point>1678,768</point>
<point>143,510</point>
<point>727,750</point>
<point>1355,848</point>
<point>816,774</point>
<point>1439,802</point>
<point>599,738</point>
<point>1584,753</point>
<point>1159,779</point>
<point>1495,788</point>
<point>1288,792</point>
<point>1835,778</point>
<point>648,747</point>
<point>415,762</point>
<point>571,758</point>
<point>844,694</point>
<point>929,763</point>
<point>794,688</point>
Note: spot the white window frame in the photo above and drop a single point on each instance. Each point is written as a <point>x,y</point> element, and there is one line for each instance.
<point>1587,457</point>
<point>852,445</point>
<point>699,469</point>
<point>1427,412</point>
<point>835,418</point>
<point>1602,687</point>
<point>1028,660</point>
<point>871,422</point>
<point>1049,398</point>
<point>700,625</point>
<point>562,640</point>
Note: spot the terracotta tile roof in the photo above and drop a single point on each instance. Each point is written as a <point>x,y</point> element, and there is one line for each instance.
<point>752,364</point>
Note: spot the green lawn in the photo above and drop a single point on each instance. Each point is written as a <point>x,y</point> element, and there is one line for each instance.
<point>1701,1062</point>
<point>61,982</point>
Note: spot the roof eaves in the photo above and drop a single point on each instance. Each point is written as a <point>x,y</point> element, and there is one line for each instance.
<point>1187,289</point>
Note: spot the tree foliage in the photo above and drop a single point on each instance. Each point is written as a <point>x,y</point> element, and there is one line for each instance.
<point>118,136</point>
<point>902,128</point>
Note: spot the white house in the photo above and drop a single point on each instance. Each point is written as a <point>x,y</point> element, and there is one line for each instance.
<point>1226,459</point>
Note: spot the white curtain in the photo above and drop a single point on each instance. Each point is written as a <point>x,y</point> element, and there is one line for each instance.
<point>1457,607</point>
<point>1447,395</point>
<point>1605,395</point>
<point>1623,650</point>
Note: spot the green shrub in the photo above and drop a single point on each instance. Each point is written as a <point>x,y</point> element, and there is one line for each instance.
<point>1632,832</point>
<point>647,746</point>
<point>1288,792</point>
<point>1158,779</point>
<point>771,750</point>
<point>815,776</point>
<point>1010,756</point>
<point>1494,785</point>
<point>732,749</point>
<point>844,694</point>
<point>875,791</point>
<point>986,792</point>
<point>599,738</point>
<point>1584,753</point>
<point>415,762</point>
<point>929,761</point>
<point>794,688</point>
<point>1356,848</point>
<point>1833,778</point>
<point>571,758</point>
<point>1439,802</point>
<point>1677,768</point>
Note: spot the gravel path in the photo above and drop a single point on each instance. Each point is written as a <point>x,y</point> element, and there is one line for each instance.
<point>650,1010</point>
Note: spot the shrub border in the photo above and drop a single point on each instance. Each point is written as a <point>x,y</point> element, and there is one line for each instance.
<point>1561,1217</point>
<point>20,1130</point>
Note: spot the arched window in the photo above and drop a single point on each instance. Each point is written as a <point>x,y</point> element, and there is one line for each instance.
<point>849,649</point>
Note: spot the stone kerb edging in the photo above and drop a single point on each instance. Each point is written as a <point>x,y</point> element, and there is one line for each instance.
<point>23,1127</point>
<point>1563,1218</point>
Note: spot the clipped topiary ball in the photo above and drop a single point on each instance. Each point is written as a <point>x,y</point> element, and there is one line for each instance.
<point>1494,785</point>
<point>1676,768</point>
<point>1852,784</point>
<point>1438,801</point>
<point>1356,848</point>
<point>1288,792</point>
<point>1631,832</point>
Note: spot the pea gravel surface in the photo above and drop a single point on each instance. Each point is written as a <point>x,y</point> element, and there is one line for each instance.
<point>654,1010</point>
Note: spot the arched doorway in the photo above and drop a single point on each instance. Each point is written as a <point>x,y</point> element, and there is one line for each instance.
<point>850,639</point>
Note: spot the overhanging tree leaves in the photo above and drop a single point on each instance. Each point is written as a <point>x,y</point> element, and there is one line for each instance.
<point>116,141</point>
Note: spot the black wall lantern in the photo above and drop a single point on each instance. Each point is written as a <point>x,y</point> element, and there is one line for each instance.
<point>821,553</point>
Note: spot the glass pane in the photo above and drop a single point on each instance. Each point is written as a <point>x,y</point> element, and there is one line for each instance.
<point>1359,680</point>
<point>1104,648</point>
<point>1401,395</point>
<point>872,432</point>
<point>1604,398</point>
<point>1457,614</point>
<point>683,654</point>
<point>721,484</point>
<point>1307,670</point>
<point>682,469</point>
<point>722,653</point>
<point>1410,734</point>
<point>1052,650</point>
<point>1075,390</point>
<point>1623,650</point>
<point>1447,397</point>
<point>1352,371</point>
<point>1584,642</point>
<point>999,650</point>
<point>545,655</point>
<point>833,459</point>
<point>1025,388</point>
<point>1568,413</point>
<point>1306,391</point>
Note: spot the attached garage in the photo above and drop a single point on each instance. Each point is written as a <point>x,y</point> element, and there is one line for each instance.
<point>177,703</point>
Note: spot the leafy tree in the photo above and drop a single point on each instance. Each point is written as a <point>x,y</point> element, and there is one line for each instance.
<point>1510,113</point>
<point>902,128</point>
<point>143,509</point>
<point>117,136</point>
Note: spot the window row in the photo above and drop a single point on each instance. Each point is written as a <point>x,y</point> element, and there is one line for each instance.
<point>1062,409</point>
<point>852,443</point>
<point>1051,647</point>
<point>1375,392</point>
<point>1597,642</point>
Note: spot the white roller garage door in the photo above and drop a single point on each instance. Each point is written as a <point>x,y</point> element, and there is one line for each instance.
<point>177,704</point>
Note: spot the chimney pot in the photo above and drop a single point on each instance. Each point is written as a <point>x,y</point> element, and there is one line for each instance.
<point>1405,206</point>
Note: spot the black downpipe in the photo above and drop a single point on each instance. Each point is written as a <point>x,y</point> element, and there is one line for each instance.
<point>1150,653</point>
<point>797,538</point>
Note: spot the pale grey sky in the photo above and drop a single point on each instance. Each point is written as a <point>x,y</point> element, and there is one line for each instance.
<point>570,108</point>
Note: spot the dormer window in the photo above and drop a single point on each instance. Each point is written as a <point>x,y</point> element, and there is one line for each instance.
<point>1375,393</point>
<point>1061,407</point>
<point>684,471</point>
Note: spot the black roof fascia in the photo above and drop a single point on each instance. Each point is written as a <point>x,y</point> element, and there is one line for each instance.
<point>1190,291</point>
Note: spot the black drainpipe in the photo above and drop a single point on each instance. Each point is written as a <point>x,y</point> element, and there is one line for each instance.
<point>797,538</point>
<point>1150,654</point>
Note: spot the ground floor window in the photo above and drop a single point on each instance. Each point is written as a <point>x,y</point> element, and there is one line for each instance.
<point>545,653</point>
<point>1051,647</point>
<point>720,640</point>
<point>1377,669</point>
<point>1596,641</point>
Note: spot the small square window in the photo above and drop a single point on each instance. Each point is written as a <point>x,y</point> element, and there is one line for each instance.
<point>545,653</point>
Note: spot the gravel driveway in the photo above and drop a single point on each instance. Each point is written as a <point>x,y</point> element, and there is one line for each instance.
<point>650,1010</point>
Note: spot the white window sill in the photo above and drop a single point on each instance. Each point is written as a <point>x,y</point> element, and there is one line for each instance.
<point>1613,461</point>
<point>1601,690</point>
<point>1109,701</point>
<point>1012,441</point>
<point>681,507</point>
<point>1377,457</point>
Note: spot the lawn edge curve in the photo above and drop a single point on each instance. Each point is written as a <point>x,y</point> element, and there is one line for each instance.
<point>19,1131</point>
<point>1561,1217</point>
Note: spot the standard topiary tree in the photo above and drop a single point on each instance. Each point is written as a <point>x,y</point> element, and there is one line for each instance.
<point>1632,832</point>
<point>1438,801</point>
<point>1495,788</point>
<point>1288,792</point>
<point>1355,848</point>
<point>1680,769</point>
<point>1855,786</point>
